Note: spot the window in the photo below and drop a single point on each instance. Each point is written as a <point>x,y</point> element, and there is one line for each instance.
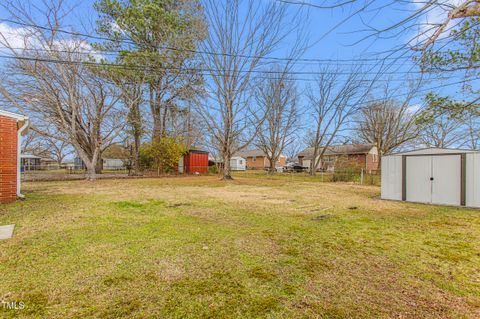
<point>241,162</point>
<point>254,159</point>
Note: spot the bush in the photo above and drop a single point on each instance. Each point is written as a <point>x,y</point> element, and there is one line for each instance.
<point>346,170</point>
<point>213,169</point>
<point>162,154</point>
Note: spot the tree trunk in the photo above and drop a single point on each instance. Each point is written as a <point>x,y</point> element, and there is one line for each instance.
<point>273,167</point>
<point>156,116</point>
<point>136,150</point>
<point>91,171</point>
<point>313,164</point>
<point>99,165</point>
<point>226,167</point>
<point>379,168</point>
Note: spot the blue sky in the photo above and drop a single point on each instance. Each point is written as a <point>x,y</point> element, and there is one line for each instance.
<point>330,38</point>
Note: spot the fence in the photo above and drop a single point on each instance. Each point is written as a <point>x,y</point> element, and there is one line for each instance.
<point>361,177</point>
<point>41,173</point>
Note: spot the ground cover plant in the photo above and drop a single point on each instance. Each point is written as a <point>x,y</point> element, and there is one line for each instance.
<point>197,247</point>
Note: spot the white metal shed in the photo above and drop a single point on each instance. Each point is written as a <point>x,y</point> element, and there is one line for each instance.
<point>434,176</point>
<point>238,163</point>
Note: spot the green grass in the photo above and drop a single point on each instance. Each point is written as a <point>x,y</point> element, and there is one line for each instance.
<point>305,177</point>
<point>257,247</point>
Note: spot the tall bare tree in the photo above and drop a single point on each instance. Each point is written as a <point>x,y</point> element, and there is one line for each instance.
<point>54,81</point>
<point>278,99</point>
<point>333,99</point>
<point>131,88</point>
<point>241,34</point>
<point>387,123</point>
<point>445,131</point>
<point>472,140</point>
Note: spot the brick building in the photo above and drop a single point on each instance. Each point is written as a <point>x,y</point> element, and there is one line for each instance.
<point>257,159</point>
<point>12,127</point>
<point>365,154</point>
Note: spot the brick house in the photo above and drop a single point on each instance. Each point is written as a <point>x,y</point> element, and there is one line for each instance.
<point>257,159</point>
<point>12,127</point>
<point>365,154</point>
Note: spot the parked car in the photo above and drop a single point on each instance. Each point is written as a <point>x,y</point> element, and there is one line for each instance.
<point>295,168</point>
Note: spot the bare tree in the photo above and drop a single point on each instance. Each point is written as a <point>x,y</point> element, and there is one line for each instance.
<point>278,99</point>
<point>387,123</point>
<point>443,132</point>
<point>333,100</point>
<point>131,87</point>
<point>472,125</point>
<point>32,143</point>
<point>55,83</point>
<point>241,34</point>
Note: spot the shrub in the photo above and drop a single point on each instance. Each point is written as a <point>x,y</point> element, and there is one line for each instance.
<point>162,154</point>
<point>346,169</point>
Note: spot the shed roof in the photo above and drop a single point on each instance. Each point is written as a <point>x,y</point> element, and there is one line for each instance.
<point>434,150</point>
<point>348,149</point>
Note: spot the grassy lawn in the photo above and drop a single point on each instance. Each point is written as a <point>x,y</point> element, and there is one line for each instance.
<point>196,247</point>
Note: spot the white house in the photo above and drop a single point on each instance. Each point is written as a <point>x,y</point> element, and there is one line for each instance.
<point>238,163</point>
<point>113,164</point>
<point>433,176</point>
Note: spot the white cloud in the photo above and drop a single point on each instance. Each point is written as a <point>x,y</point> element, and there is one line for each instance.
<point>16,37</point>
<point>433,15</point>
<point>412,109</point>
<point>23,40</point>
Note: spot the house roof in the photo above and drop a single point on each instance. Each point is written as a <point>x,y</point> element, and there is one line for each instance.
<point>15,116</point>
<point>29,156</point>
<point>21,119</point>
<point>253,153</point>
<point>348,149</point>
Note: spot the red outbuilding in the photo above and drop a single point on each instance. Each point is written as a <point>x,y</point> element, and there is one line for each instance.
<point>12,127</point>
<point>194,161</point>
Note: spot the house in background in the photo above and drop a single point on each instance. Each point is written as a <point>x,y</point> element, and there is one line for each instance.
<point>238,163</point>
<point>48,163</point>
<point>365,154</point>
<point>257,159</point>
<point>113,164</point>
<point>30,162</point>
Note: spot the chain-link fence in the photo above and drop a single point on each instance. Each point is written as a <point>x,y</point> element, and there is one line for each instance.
<point>361,177</point>
<point>71,172</point>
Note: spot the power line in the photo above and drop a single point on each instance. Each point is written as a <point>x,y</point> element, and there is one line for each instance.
<point>126,41</point>
<point>153,68</point>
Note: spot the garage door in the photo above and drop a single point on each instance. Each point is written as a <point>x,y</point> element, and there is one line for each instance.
<point>434,179</point>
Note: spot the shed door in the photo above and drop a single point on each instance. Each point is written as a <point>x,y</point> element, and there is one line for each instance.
<point>418,174</point>
<point>446,186</point>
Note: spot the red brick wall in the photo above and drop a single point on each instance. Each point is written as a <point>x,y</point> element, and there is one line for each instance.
<point>8,160</point>
<point>372,163</point>
<point>262,162</point>
<point>367,161</point>
<point>259,162</point>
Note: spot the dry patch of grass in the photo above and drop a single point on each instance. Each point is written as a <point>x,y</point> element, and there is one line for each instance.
<point>256,247</point>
